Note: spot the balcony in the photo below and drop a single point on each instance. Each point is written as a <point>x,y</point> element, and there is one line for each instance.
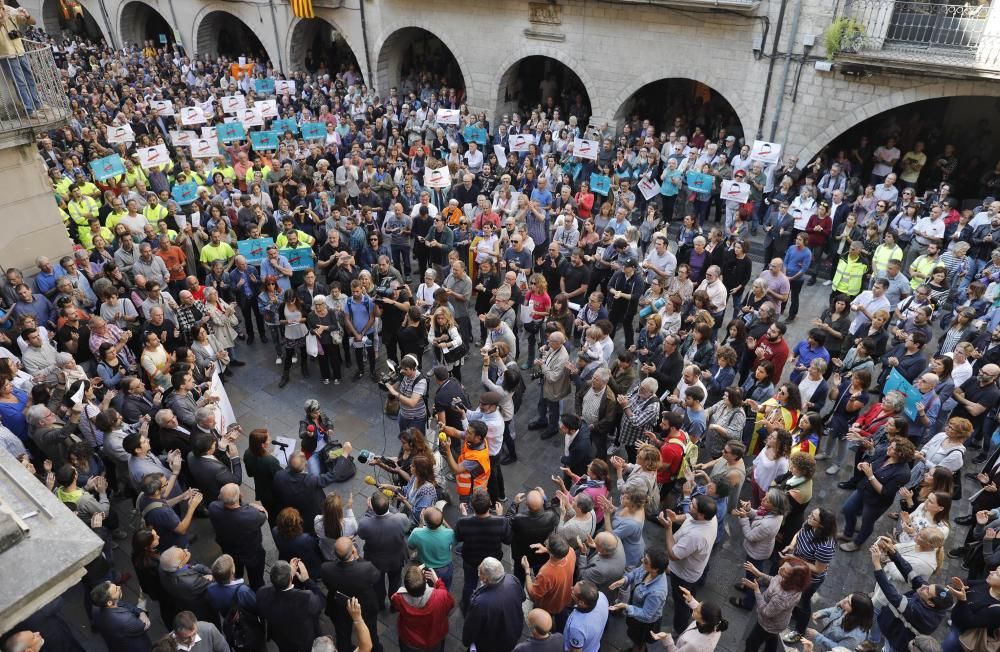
<point>936,37</point>
<point>16,125</point>
<point>739,6</point>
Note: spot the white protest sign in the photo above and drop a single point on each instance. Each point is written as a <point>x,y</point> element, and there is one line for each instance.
<point>120,134</point>
<point>735,191</point>
<point>765,152</point>
<point>447,116</point>
<point>224,415</point>
<point>284,86</point>
<point>501,156</point>
<point>520,142</point>
<point>251,118</point>
<point>192,115</point>
<point>267,108</point>
<point>437,178</point>
<point>583,148</point>
<point>209,133</point>
<point>233,103</point>
<point>150,157</point>
<point>196,219</point>
<point>648,187</point>
<point>208,107</point>
<point>205,148</point>
<point>179,138</point>
<point>162,107</point>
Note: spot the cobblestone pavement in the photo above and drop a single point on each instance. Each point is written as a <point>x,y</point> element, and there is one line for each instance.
<point>356,410</point>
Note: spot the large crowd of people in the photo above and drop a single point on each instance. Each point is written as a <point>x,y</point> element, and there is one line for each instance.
<point>659,354</point>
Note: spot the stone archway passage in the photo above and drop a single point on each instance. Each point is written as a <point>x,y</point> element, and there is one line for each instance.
<point>318,46</point>
<point>411,56</point>
<point>222,33</point>
<point>680,103</point>
<point>72,16</point>
<point>140,22</point>
<point>543,81</point>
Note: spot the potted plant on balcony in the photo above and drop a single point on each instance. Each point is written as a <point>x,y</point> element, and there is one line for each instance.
<point>843,35</point>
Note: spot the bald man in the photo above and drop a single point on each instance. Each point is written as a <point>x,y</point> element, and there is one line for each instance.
<point>349,575</point>
<point>540,635</point>
<point>531,522</point>
<point>434,543</point>
<point>601,560</point>
<point>237,529</point>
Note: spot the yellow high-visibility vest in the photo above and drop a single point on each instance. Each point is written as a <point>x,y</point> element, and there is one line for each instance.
<point>847,279</point>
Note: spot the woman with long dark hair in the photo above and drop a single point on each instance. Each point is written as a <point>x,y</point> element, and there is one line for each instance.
<point>815,544</point>
<point>336,520</point>
<point>262,466</point>
<point>776,602</point>
<point>146,562</point>
<point>843,625</point>
<point>292,317</point>
<point>704,632</point>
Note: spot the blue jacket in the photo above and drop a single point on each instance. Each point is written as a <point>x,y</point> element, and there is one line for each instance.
<point>917,614</point>
<point>495,620</point>
<point>646,603</point>
<point>579,451</point>
<point>829,623</point>
<point>121,628</point>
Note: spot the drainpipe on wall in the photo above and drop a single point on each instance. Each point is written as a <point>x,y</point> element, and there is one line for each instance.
<point>177,32</point>
<point>770,69</point>
<point>364,42</point>
<point>107,24</point>
<point>277,41</point>
<point>787,69</point>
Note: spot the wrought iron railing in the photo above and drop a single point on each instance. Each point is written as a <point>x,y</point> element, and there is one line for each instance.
<point>32,96</point>
<point>942,32</point>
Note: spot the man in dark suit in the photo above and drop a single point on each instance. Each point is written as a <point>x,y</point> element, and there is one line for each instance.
<point>208,473</point>
<point>187,583</point>
<point>603,420</point>
<point>237,530</point>
<point>122,626</point>
<point>138,401</point>
<point>170,435</point>
<point>295,487</point>
<point>384,534</point>
<point>531,522</point>
<point>353,577</point>
<point>291,613</point>
<point>988,346</point>
<point>668,368</point>
<point>578,452</point>
<point>245,282</point>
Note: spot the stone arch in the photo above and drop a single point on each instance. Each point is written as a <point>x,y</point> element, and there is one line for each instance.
<point>140,20</point>
<point>506,70</point>
<point>730,95</point>
<point>397,38</point>
<point>211,23</point>
<point>89,23</point>
<point>894,100</point>
<point>301,34</point>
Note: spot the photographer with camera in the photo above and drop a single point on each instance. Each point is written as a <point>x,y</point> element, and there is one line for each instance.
<point>14,62</point>
<point>393,300</point>
<point>556,384</point>
<point>411,390</point>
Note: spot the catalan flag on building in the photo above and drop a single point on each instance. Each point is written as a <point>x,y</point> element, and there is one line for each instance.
<point>302,8</point>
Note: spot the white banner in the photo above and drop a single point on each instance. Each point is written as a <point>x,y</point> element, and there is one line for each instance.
<point>162,107</point>
<point>284,86</point>
<point>437,178</point>
<point>224,415</point>
<point>765,151</point>
<point>150,157</point>
<point>120,134</point>
<point>205,148</point>
<point>233,103</point>
<point>251,118</point>
<point>501,156</point>
<point>192,115</point>
<point>447,117</point>
<point>182,137</point>
<point>648,187</point>
<point>583,148</point>
<point>735,191</point>
<point>520,142</point>
<point>267,108</point>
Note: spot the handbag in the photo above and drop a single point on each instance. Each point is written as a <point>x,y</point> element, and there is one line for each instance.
<point>980,639</point>
<point>312,345</point>
<point>456,354</point>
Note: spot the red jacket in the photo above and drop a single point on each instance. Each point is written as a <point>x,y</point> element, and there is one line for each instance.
<point>671,454</point>
<point>818,238</point>
<point>776,352</point>
<point>424,627</point>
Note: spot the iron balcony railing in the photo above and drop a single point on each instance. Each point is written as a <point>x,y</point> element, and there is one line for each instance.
<point>936,32</point>
<point>32,96</point>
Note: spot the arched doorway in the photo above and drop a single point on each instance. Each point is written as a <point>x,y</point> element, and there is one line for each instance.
<point>71,16</point>
<point>317,46</point>
<point>968,127</point>
<point>220,33</point>
<point>543,81</point>
<point>682,104</point>
<point>140,22</point>
<point>411,56</point>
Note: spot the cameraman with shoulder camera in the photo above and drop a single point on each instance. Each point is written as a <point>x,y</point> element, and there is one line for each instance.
<point>410,390</point>
<point>393,299</point>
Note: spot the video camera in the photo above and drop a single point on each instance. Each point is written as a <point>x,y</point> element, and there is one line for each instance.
<point>386,378</point>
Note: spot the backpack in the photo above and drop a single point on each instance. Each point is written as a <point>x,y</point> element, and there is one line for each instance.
<point>519,391</point>
<point>332,458</point>
<point>242,629</point>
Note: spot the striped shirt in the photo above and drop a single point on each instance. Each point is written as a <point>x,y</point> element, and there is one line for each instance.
<point>808,549</point>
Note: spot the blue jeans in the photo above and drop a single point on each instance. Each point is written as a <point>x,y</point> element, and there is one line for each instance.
<point>951,643</point>
<point>446,574</point>
<point>400,258</point>
<point>20,70</point>
<point>313,465</point>
<point>407,423</point>
<point>854,507</point>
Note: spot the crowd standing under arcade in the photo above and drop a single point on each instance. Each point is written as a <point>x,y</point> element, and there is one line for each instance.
<point>657,351</point>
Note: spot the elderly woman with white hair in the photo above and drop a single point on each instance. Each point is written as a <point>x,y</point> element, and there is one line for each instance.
<point>325,326</point>
<point>424,296</point>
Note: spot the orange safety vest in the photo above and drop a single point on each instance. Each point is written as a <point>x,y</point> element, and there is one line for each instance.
<point>464,481</point>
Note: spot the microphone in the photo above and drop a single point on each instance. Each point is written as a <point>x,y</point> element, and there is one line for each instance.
<point>280,444</point>
<point>389,493</point>
<point>370,480</point>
